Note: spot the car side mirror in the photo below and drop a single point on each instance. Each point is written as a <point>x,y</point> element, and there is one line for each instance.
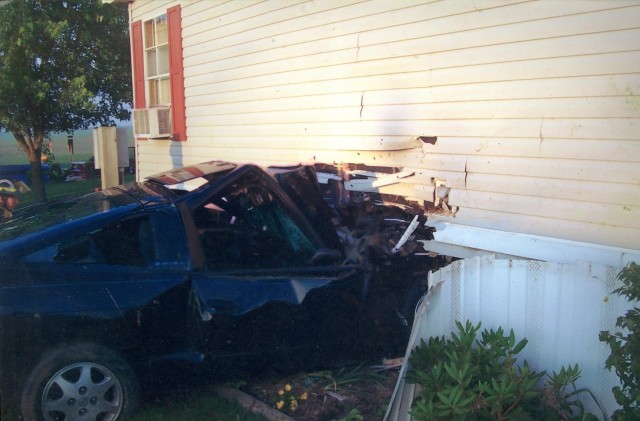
<point>325,256</point>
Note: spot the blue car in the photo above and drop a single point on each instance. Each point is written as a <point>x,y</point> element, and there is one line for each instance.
<point>199,266</point>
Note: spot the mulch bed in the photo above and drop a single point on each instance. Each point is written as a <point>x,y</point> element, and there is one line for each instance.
<point>338,394</point>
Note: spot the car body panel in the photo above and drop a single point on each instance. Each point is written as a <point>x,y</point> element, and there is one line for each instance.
<point>266,312</point>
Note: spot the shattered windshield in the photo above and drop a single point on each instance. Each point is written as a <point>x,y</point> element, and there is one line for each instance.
<point>44,215</point>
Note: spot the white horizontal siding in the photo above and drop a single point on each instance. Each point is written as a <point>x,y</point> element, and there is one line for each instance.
<point>620,129</point>
<point>441,53</point>
<point>554,148</point>
<point>566,169</point>
<point>553,188</point>
<point>414,72</point>
<point>534,104</point>
<point>567,108</point>
<point>621,85</point>
<point>200,12</point>
<point>145,10</point>
<point>588,212</point>
<point>606,234</point>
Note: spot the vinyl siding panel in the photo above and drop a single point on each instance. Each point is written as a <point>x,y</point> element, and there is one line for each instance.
<point>205,11</point>
<point>611,233</point>
<point>534,104</point>
<point>558,148</point>
<point>145,10</point>
<point>589,192</point>
<point>543,207</point>
<point>625,172</point>
<point>576,87</point>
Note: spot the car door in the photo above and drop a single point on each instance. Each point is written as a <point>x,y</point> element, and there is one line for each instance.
<point>267,285</point>
<point>262,311</point>
<point>116,283</point>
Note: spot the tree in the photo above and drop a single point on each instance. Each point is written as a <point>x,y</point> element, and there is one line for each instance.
<point>64,66</point>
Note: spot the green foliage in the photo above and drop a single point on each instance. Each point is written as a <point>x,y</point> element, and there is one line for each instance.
<point>466,378</point>
<point>345,376</point>
<point>625,347</point>
<point>353,415</point>
<point>46,151</point>
<point>64,66</point>
<point>56,173</point>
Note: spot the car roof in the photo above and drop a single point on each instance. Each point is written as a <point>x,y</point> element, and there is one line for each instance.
<point>208,170</point>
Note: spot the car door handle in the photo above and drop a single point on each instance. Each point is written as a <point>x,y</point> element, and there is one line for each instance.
<point>222,307</point>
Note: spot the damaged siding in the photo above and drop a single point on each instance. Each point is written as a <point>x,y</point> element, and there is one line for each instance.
<point>528,110</point>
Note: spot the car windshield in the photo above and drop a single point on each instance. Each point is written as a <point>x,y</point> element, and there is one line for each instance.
<point>44,215</point>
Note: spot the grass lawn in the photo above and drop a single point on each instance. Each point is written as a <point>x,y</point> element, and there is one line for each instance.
<point>60,189</point>
<point>196,406</point>
<point>10,154</point>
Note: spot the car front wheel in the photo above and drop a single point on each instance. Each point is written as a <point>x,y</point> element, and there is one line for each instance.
<point>80,382</point>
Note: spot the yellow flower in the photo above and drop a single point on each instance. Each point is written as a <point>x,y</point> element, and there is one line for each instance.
<point>304,396</point>
<point>294,404</point>
<point>287,388</point>
<point>280,392</point>
<point>280,404</point>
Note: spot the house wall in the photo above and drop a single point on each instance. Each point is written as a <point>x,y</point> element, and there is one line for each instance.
<point>529,110</point>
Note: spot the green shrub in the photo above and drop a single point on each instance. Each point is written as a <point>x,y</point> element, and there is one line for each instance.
<point>465,378</point>
<point>625,347</point>
<point>56,173</point>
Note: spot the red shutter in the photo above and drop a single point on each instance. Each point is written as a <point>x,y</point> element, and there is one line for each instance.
<point>139,100</point>
<point>176,73</point>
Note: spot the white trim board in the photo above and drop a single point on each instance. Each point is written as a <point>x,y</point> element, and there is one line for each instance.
<point>466,241</point>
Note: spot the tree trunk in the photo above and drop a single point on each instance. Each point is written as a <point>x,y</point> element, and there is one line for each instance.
<point>31,144</point>
<point>37,185</point>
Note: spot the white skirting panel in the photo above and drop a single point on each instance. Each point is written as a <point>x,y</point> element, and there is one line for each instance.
<point>559,308</point>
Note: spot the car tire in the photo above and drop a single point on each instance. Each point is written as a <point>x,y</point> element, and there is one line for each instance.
<point>80,381</point>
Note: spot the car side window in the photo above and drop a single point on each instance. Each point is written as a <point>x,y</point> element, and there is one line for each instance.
<point>247,226</point>
<point>127,242</point>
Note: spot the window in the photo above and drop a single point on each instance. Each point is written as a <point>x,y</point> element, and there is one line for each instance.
<point>158,73</point>
<point>246,226</point>
<point>128,242</point>
<point>156,49</point>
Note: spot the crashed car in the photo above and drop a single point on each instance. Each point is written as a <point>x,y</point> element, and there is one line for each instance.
<point>194,266</point>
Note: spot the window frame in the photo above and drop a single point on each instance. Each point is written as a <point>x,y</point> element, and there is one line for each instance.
<point>158,49</point>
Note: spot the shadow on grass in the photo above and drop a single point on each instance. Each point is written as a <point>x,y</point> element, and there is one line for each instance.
<point>188,393</point>
<point>194,404</point>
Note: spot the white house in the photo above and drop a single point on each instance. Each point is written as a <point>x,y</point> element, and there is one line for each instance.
<point>515,124</point>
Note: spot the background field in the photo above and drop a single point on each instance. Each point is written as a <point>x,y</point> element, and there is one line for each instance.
<point>82,145</point>
<point>83,150</point>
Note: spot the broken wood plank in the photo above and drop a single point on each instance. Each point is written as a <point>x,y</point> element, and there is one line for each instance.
<point>250,403</point>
